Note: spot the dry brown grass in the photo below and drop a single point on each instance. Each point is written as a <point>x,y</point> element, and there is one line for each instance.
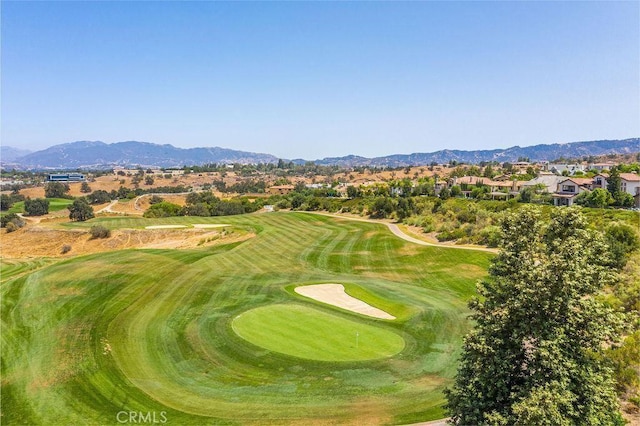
<point>113,182</point>
<point>42,240</point>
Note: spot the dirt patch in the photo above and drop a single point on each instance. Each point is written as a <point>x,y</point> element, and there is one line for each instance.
<point>334,294</point>
<point>38,240</point>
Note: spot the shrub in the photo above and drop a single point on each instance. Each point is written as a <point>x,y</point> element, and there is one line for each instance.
<point>99,231</point>
<point>11,218</point>
<point>11,227</point>
<point>66,248</point>
<point>155,199</point>
<point>466,216</point>
<point>490,236</point>
<point>451,235</point>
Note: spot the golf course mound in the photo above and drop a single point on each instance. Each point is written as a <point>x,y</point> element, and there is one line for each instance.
<point>308,333</point>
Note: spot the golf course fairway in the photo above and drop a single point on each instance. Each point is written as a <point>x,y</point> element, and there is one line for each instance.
<point>208,335</point>
<point>311,334</point>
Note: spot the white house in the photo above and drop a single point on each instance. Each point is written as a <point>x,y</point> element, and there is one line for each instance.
<point>568,189</point>
<point>629,182</point>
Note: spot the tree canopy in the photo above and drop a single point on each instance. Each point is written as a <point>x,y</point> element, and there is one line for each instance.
<point>535,354</point>
<point>56,190</point>
<point>80,210</point>
<point>36,206</point>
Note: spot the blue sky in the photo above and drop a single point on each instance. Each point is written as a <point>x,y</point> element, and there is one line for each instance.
<point>316,79</point>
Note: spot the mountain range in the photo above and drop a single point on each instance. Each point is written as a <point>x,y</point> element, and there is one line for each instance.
<point>9,154</point>
<point>100,155</point>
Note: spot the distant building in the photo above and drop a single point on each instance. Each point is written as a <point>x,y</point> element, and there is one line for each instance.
<point>497,188</point>
<point>521,166</point>
<point>601,166</point>
<point>280,189</point>
<point>570,169</point>
<point>549,181</point>
<point>66,177</point>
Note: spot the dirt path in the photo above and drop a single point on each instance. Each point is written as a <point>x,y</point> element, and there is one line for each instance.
<point>401,234</point>
<point>107,208</point>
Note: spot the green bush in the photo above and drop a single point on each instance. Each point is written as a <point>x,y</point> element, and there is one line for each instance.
<point>36,207</point>
<point>163,209</point>
<point>11,227</point>
<point>490,236</point>
<point>11,218</point>
<point>454,234</point>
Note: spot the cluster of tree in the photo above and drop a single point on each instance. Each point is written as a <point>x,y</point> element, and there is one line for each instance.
<point>203,204</point>
<point>36,206</point>
<point>8,200</point>
<point>536,355</point>
<point>281,167</point>
<point>12,222</point>
<point>56,190</point>
<point>80,210</point>
<point>257,186</point>
<point>101,196</point>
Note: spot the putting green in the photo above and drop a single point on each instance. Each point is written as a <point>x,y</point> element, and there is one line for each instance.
<point>312,334</point>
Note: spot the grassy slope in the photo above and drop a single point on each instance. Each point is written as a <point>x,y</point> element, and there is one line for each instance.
<point>167,316</point>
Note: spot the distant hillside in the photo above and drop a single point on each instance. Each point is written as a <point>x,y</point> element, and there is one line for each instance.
<point>534,153</point>
<point>97,155</point>
<point>10,154</point>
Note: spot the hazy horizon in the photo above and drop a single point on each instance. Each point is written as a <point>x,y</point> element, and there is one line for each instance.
<point>315,80</point>
<point>327,156</point>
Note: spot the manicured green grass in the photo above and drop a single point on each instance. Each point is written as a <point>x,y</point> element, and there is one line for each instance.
<point>55,204</point>
<point>167,316</point>
<point>311,334</point>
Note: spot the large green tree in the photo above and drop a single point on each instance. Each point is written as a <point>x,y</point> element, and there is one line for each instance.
<point>36,206</point>
<point>56,190</point>
<point>535,354</point>
<point>80,210</point>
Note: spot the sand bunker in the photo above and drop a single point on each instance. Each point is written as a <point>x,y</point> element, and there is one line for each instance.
<point>334,294</point>
<point>209,225</point>
<point>165,226</point>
